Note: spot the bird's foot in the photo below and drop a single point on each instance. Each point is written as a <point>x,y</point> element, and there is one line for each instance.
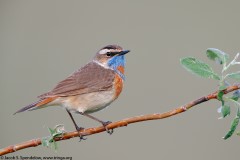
<point>80,135</point>
<point>109,131</point>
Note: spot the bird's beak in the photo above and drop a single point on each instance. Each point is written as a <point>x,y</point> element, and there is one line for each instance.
<point>123,52</point>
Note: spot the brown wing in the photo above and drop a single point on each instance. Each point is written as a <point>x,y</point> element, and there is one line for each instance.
<point>90,78</point>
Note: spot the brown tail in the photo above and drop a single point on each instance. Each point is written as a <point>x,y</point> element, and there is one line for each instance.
<point>28,107</point>
<point>36,105</point>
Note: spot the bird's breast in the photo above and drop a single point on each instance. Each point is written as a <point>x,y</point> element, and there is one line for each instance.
<point>118,82</point>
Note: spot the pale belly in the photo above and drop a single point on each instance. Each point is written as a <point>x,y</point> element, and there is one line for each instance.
<point>87,103</point>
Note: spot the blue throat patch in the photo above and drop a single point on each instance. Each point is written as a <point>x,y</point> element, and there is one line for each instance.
<point>115,62</point>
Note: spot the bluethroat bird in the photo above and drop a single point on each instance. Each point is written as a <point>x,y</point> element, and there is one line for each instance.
<point>91,88</point>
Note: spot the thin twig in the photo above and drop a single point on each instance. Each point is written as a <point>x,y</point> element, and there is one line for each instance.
<point>121,123</point>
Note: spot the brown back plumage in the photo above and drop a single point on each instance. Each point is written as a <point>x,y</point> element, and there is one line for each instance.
<point>90,78</point>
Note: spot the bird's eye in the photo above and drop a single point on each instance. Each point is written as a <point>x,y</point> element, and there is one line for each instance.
<point>108,54</point>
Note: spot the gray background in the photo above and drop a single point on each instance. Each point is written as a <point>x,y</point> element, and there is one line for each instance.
<point>42,42</point>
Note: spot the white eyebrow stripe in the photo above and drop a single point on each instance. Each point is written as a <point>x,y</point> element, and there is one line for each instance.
<point>104,51</point>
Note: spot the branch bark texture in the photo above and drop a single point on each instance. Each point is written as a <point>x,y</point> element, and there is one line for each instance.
<point>121,123</point>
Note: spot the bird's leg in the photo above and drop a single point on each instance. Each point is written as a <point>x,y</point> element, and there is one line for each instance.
<point>100,121</point>
<point>76,126</point>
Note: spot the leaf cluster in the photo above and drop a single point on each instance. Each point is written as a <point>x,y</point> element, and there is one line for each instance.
<point>202,69</point>
<point>49,141</point>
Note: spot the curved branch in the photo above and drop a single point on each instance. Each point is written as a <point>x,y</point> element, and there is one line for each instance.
<point>121,123</point>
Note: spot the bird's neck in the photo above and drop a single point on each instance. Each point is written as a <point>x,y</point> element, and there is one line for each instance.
<point>117,64</point>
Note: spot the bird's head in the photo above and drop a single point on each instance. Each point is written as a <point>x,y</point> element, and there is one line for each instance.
<point>112,57</point>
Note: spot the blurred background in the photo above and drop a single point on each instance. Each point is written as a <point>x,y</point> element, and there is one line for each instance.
<point>42,42</point>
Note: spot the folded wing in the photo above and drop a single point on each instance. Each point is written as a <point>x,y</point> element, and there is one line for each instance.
<point>90,78</point>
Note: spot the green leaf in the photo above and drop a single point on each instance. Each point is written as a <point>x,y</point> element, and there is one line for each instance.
<point>49,142</point>
<point>54,145</point>
<point>235,75</point>
<point>225,110</point>
<point>234,125</point>
<point>52,131</point>
<point>45,141</point>
<point>236,95</point>
<point>233,128</point>
<point>238,113</point>
<point>234,98</point>
<point>217,55</point>
<point>57,131</point>
<point>198,68</point>
<point>220,95</point>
